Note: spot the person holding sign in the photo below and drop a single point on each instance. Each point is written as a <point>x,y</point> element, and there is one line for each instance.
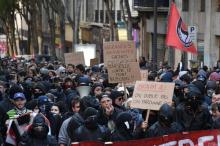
<point>17,122</point>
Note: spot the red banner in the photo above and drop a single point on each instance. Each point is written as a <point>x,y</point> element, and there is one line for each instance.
<point>197,138</point>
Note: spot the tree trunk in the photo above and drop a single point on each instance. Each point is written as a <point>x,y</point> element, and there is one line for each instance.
<point>33,23</point>
<point>12,25</point>
<point>25,14</point>
<point>52,37</point>
<point>61,13</point>
<point>51,22</point>
<point>129,22</point>
<point>72,22</point>
<point>62,36</point>
<point>40,24</point>
<point>78,13</point>
<point>58,7</point>
<point>19,38</point>
<point>113,26</point>
<point>29,38</point>
<point>9,39</point>
<point>7,42</point>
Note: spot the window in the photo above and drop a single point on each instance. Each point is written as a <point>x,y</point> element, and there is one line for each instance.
<point>185,5</point>
<point>118,15</point>
<point>96,15</point>
<point>101,16</point>
<point>202,7</point>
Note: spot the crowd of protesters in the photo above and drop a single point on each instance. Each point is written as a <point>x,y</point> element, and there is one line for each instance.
<point>71,103</point>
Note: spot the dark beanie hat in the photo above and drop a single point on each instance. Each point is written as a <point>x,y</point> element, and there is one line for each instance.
<point>199,85</point>
<point>95,68</point>
<point>115,94</point>
<point>96,85</point>
<point>84,81</point>
<point>103,95</point>
<point>39,120</point>
<point>42,100</point>
<point>211,85</point>
<point>193,91</point>
<point>41,87</point>
<point>32,104</point>
<point>90,112</point>
<point>14,89</point>
<point>185,78</point>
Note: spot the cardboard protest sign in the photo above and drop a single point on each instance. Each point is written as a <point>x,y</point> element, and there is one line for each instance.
<point>123,72</point>
<point>74,58</point>
<point>151,95</point>
<point>144,75</point>
<point>121,51</point>
<point>94,61</point>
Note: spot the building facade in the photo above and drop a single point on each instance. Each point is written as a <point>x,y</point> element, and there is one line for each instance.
<point>95,28</point>
<point>203,15</point>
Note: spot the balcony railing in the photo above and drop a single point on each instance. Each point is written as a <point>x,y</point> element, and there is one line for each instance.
<point>147,5</point>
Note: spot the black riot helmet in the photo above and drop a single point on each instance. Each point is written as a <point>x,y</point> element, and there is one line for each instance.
<point>193,96</point>
<point>165,115</point>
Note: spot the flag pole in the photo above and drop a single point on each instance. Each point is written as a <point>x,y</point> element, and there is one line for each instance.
<point>171,52</point>
<point>154,48</point>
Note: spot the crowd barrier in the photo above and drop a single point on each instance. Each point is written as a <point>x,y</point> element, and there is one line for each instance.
<point>196,138</point>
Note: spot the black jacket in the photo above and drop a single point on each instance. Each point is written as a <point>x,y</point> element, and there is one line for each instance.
<point>216,124</point>
<point>27,140</point>
<point>157,130</point>
<point>5,106</point>
<point>99,134</point>
<point>103,119</point>
<point>193,120</point>
<point>119,135</point>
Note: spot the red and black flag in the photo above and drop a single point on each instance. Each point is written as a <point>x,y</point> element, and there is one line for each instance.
<point>177,34</point>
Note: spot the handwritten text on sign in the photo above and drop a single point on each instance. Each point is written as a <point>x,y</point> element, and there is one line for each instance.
<point>144,75</point>
<point>123,72</point>
<point>74,58</point>
<point>123,51</point>
<point>151,95</point>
